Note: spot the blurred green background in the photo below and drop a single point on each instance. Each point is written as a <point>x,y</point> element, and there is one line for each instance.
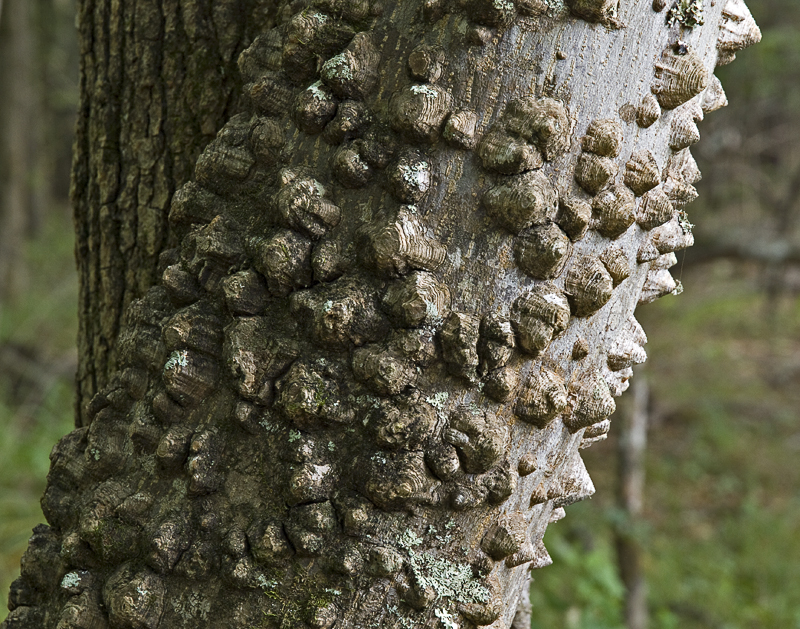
<point>722,506</point>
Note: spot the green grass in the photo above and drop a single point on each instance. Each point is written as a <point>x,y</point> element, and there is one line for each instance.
<point>581,590</point>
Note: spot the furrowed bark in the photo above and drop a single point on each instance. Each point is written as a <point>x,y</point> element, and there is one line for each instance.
<point>157,80</point>
<point>403,302</point>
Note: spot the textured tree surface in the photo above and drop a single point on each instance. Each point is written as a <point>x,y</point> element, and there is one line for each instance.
<point>401,302</point>
<point>158,80</point>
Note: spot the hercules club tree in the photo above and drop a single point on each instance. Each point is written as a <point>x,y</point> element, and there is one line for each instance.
<point>362,348</point>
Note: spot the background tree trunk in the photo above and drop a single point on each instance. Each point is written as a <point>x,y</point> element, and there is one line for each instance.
<point>17,110</point>
<point>632,450</point>
<point>392,315</point>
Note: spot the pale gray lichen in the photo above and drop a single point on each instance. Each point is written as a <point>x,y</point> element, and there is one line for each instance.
<point>424,89</point>
<point>683,221</point>
<point>687,13</point>
<point>414,174</point>
<point>446,619</point>
<point>176,359</point>
<point>365,402</point>
<point>448,579</point>
<point>268,426</point>
<point>294,435</point>
<point>316,92</point>
<point>442,539</point>
<point>338,65</point>
<point>438,401</point>
<point>192,606</point>
<point>70,580</point>
<point>409,539</point>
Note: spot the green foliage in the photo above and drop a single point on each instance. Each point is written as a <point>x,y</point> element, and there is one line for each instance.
<point>722,496</point>
<point>581,590</point>
<point>767,73</point>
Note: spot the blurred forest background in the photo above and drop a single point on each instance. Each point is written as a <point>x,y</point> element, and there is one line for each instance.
<point>720,528</point>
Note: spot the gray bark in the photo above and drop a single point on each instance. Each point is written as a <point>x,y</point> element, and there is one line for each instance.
<point>401,303</point>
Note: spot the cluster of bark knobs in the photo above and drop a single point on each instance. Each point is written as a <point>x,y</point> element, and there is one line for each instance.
<point>401,304</point>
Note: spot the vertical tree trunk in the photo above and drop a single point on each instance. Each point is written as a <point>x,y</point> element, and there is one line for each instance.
<point>157,80</point>
<point>17,97</point>
<point>632,449</point>
<point>400,303</point>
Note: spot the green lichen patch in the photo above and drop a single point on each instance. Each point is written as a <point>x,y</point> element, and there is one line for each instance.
<point>683,220</point>
<point>448,579</point>
<point>438,400</point>
<point>301,600</point>
<point>409,539</point>
<point>70,580</point>
<point>447,620</point>
<point>179,358</point>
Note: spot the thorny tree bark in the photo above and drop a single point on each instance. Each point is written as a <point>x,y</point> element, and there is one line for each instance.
<point>399,301</point>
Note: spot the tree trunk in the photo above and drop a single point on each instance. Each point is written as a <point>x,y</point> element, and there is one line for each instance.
<point>157,80</point>
<point>401,302</point>
<point>16,126</point>
<point>631,453</point>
